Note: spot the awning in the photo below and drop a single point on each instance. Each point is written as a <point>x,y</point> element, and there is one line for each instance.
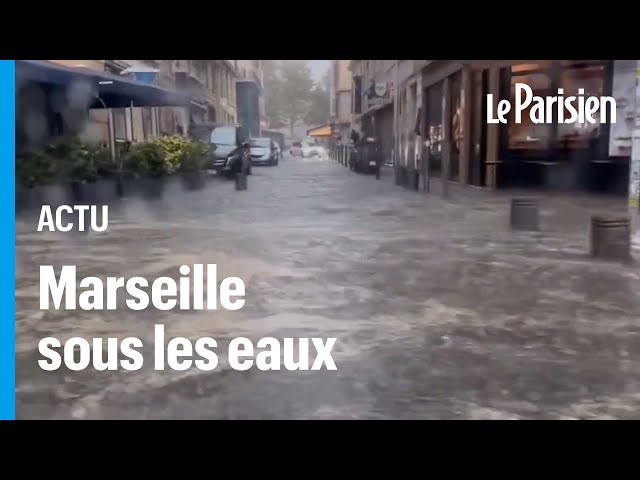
<point>322,131</point>
<point>98,89</point>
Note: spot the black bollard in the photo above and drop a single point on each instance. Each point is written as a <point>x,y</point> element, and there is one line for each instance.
<point>524,214</point>
<point>241,181</point>
<point>611,238</point>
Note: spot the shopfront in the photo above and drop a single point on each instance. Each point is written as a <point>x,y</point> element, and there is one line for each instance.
<point>562,155</point>
<point>557,155</point>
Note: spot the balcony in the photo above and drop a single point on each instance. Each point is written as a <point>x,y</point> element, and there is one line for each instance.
<point>193,68</point>
<point>190,85</point>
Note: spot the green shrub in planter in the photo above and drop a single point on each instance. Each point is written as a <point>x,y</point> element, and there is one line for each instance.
<point>38,180</point>
<point>193,166</point>
<point>188,156</point>
<point>146,168</point>
<point>147,160</point>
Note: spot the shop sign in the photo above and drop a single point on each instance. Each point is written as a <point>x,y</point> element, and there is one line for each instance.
<point>377,94</point>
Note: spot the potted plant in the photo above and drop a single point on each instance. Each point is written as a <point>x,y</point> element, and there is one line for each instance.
<point>187,156</point>
<point>39,177</point>
<point>146,169</point>
<point>106,188</point>
<point>193,165</point>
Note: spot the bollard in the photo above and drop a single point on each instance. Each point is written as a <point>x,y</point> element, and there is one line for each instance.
<point>241,181</point>
<point>524,214</point>
<point>415,180</point>
<point>611,238</point>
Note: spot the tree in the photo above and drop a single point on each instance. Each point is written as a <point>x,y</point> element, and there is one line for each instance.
<point>296,91</point>
<point>290,94</point>
<point>272,88</point>
<point>319,107</point>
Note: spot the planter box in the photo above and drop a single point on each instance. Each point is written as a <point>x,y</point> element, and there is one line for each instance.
<point>397,176</point>
<point>193,180</point>
<point>145,188</point>
<point>32,199</point>
<point>23,197</point>
<point>102,192</point>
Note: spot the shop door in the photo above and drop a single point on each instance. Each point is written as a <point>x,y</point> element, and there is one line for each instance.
<point>384,131</point>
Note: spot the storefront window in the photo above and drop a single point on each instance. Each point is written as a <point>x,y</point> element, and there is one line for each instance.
<point>528,67</point>
<point>435,127</point>
<point>147,122</point>
<point>528,135</point>
<point>570,75</point>
<point>591,79</point>
<point>120,123</point>
<point>456,124</point>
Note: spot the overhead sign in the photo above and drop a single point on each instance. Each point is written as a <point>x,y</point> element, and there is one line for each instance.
<point>377,93</point>
<point>380,89</point>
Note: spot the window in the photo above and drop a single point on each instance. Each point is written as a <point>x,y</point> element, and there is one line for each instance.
<point>528,67</point>
<point>570,75</point>
<point>120,123</point>
<point>357,95</point>
<point>261,142</point>
<point>456,124</point>
<point>591,79</point>
<point>166,120</point>
<point>147,122</point>
<point>344,103</point>
<point>435,130</point>
<point>528,135</point>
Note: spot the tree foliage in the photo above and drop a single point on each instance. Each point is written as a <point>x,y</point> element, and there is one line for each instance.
<point>319,107</point>
<point>291,95</point>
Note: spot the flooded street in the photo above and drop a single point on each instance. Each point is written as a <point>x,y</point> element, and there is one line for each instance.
<point>439,310</point>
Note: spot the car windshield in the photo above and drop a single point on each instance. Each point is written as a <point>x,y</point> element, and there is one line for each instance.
<point>261,142</point>
<point>201,134</point>
<point>224,136</point>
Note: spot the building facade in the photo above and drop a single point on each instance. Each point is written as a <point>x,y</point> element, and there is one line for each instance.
<point>340,98</point>
<point>374,101</point>
<point>249,95</point>
<point>464,148</point>
<point>211,85</point>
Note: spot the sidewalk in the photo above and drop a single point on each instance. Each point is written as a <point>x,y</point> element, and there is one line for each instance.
<point>560,212</point>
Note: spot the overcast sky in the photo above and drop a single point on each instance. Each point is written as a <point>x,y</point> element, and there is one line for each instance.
<point>318,67</point>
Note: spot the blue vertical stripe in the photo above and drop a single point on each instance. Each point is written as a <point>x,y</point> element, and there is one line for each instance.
<point>7,239</point>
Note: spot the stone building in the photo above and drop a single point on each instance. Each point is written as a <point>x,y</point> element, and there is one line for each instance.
<point>340,98</point>
<point>374,105</point>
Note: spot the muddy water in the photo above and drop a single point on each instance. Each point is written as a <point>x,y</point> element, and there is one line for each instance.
<point>439,310</point>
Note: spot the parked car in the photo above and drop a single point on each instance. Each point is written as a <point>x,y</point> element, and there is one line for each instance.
<point>296,149</point>
<point>263,152</point>
<point>232,151</point>
<point>312,150</point>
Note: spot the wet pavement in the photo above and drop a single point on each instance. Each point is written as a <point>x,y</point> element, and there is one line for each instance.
<point>438,309</point>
